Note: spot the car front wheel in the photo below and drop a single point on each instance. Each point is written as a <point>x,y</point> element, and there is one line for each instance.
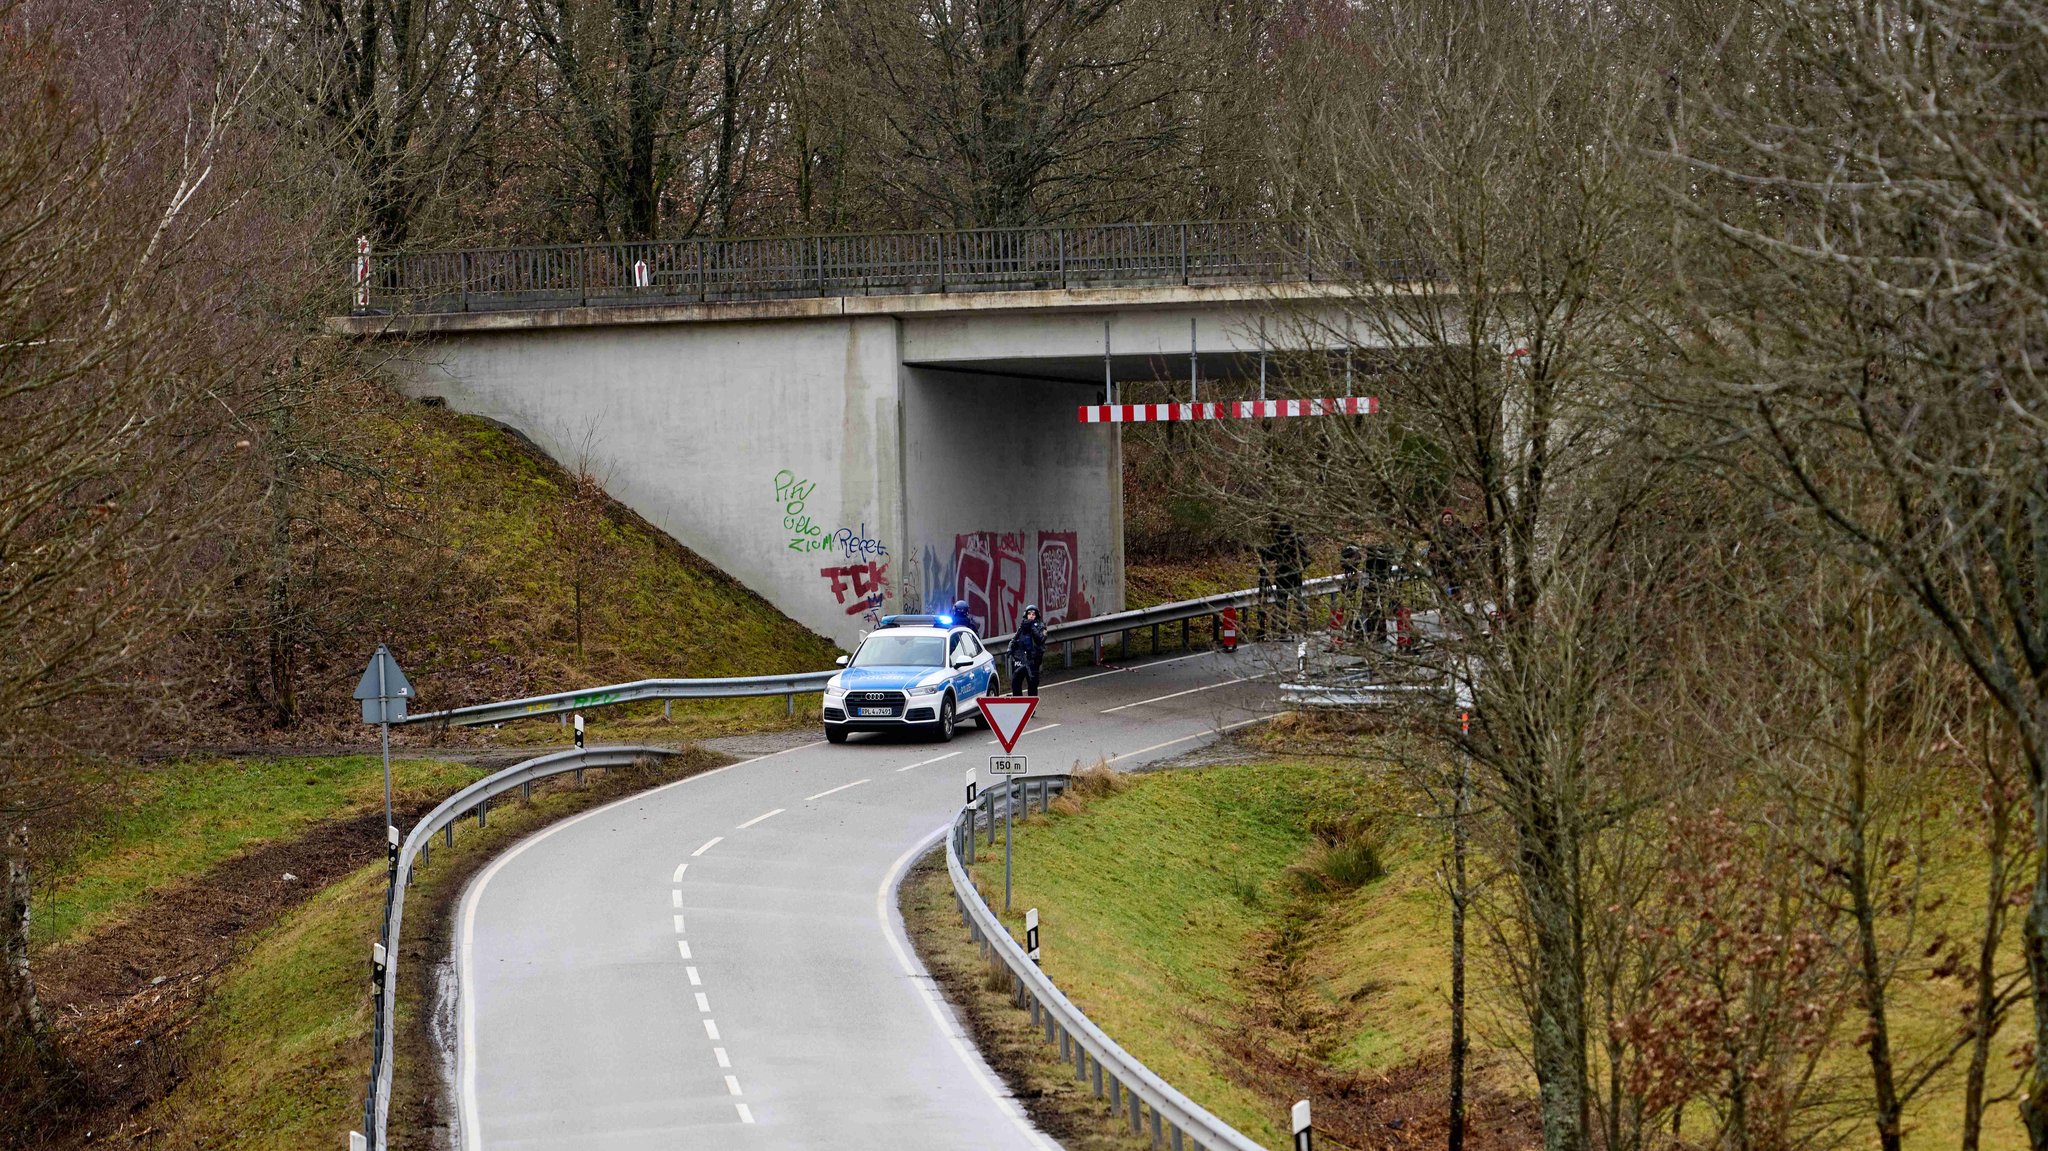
<point>944,728</point>
<point>835,734</point>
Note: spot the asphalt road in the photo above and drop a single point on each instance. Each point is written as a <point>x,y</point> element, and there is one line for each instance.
<point>720,963</point>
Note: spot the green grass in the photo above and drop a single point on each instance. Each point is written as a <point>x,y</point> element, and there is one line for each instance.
<point>1150,899</point>
<point>182,818</point>
<point>279,1052</point>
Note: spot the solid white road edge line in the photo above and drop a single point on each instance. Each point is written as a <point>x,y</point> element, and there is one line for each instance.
<point>948,1026</point>
<point>1020,739</point>
<point>829,791</point>
<point>934,759</point>
<point>469,1128</point>
<point>715,841</point>
<point>751,822</point>
<point>1190,691</point>
<point>1197,735</point>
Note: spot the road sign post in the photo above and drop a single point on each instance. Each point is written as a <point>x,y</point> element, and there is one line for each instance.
<point>1006,716</point>
<point>384,691</point>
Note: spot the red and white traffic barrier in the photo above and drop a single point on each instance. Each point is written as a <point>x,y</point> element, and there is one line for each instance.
<point>1229,410</point>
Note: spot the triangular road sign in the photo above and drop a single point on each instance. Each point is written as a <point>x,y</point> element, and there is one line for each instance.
<point>393,683</point>
<point>1006,715</point>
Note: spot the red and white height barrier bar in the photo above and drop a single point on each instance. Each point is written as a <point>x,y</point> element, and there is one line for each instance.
<point>1229,410</point>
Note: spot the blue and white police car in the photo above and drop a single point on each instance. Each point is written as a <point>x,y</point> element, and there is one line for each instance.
<point>914,673</point>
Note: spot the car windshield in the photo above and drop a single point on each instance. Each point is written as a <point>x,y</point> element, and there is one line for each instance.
<point>901,651</point>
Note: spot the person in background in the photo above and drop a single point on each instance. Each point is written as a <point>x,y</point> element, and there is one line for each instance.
<point>965,618</point>
<point>1027,653</point>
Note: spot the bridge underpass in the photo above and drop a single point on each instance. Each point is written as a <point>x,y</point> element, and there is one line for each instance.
<point>850,456</point>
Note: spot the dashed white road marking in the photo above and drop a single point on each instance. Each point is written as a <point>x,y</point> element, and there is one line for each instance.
<point>679,924</point>
<point>732,1085</point>
<point>1032,731</point>
<point>841,787</point>
<point>678,876</point>
<point>746,1116</point>
<point>719,1052</point>
<point>675,898</point>
<point>1190,691</point>
<point>755,820</point>
<point>1123,669</point>
<point>1185,738</point>
<point>934,759</point>
<point>703,1002</point>
<point>715,841</point>
<point>683,945</point>
<point>711,1030</point>
<point>695,979</point>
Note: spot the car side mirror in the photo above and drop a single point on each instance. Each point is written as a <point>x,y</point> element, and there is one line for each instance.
<point>841,661</point>
<point>964,661</point>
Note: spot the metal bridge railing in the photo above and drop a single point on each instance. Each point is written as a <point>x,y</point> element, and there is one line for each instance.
<point>887,263</point>
<point>1127,1087</point>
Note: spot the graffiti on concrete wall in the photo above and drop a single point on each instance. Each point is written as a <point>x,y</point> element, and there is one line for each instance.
<point>860,588</point>
<point>860,582</point>
<point>794,495</point>
<point>1062,594</point>
<point>997,573</point>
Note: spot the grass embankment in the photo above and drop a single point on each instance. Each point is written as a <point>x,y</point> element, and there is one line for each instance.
<point>259,1039</point>
<point>1192,914</point>
<point>177,821</point>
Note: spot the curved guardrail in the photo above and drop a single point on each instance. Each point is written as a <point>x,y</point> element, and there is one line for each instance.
<point>640,690</point>
<point>1132,1089</point>
<point>384,957</point>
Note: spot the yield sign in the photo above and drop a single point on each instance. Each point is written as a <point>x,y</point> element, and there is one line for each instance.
<point>1006,716</point>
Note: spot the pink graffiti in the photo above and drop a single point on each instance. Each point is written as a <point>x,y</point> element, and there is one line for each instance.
<point>1061,594</point>
<point>860,588</point>
<point>990,574</point>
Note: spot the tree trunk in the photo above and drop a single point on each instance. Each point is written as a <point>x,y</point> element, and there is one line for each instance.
<point>20,1014</point>
<point>1547,860</point>
<point>1981,1019</point>
<point>1459,807</point>
<point>2034,938</point>
<point>1870,962</point>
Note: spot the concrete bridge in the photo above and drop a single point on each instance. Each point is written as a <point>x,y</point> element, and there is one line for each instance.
<point>851,435</point>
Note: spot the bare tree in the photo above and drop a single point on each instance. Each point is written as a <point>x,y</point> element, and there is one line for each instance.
<point>1865,273</point>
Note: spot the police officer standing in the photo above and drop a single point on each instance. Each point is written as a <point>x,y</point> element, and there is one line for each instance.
<point>963,617</point>
<point>1027,653</point>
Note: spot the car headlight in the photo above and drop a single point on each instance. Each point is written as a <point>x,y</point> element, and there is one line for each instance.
<point>929,689</point>
<point>833,690</point>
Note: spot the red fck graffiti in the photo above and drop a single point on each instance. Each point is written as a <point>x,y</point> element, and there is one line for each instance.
<point>859,587</point>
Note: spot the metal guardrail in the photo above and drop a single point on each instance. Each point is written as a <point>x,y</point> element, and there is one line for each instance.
<point>641,690</point>
<point>735,687</point>
<point>1129,1087</point>
<point>474,798</point>
<point>890,263</point>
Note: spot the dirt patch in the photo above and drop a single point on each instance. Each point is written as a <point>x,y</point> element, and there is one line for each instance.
<point>1406,1107</point>
<point>122,998</point>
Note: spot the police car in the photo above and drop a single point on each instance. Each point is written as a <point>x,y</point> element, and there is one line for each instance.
<point>914,673</point>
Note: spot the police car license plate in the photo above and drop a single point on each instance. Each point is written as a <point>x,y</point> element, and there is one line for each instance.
<point>876,711</point>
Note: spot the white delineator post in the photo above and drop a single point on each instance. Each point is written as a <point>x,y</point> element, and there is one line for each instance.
<point>1304,1135</point>
<point>362,271</point>
<point>579,731</point>
<point>1031,934</point>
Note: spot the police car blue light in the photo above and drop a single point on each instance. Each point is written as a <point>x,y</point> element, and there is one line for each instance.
<point>914,673</point>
